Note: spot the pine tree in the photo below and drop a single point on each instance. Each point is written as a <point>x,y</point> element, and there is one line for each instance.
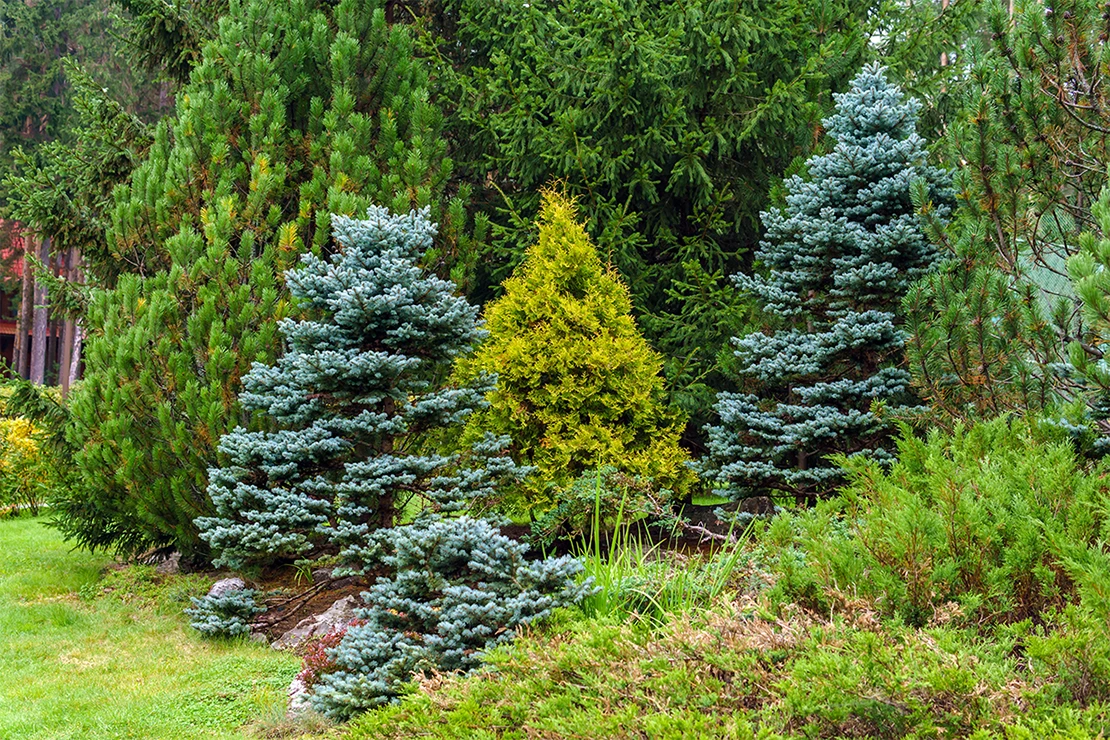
<point>293,112</point>
<point>975,333</point>
<point>1088,269</point>
<point>992,329</point>
<point>358,387</point>
<point>841,256</point>
<point>578,386</point>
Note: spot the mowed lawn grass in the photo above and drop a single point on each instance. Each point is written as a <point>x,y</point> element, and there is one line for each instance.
<point>84,655</point>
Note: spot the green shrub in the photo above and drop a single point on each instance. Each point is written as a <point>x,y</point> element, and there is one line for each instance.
<point>577,385</point>
<point>1000,520</point>
<point>30,476</point>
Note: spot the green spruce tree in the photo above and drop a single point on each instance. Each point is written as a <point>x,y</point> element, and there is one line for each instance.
<point>293,112</point>
<point>578,386</point>
<point>668,122</point>
<point>841,256</point>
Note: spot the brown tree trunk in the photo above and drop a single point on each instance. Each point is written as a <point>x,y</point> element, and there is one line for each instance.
<point>39,322</point>
<point>22,359</point>
<point>800,498</point>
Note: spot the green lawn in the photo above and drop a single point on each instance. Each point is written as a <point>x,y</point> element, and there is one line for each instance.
<point>84,655</point>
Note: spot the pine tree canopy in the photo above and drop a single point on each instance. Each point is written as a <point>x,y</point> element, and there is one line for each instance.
<point>840,255</point>
<point>293,112</point>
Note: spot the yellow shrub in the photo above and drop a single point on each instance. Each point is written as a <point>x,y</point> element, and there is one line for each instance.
<point>578,386</point>
<point>23,474</point>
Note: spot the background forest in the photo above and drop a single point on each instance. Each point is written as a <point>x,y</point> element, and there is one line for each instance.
<point>555,321</point>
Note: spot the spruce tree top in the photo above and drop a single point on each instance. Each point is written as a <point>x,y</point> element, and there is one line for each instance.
<point>848,239</point>
<point>384,326</point>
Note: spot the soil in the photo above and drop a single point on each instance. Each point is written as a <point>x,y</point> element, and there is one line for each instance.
<point>283,613</point>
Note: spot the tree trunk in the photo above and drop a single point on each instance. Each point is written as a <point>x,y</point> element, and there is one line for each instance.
<point>74,369</point>
<point>75,361</point>
<point>39,322</point>
<point>22,358</point>
<point>69,358</point>
<point>800,498</point>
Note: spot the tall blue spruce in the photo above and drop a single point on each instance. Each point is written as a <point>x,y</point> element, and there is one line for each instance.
<point>841,255</point>
<point>360,386</point>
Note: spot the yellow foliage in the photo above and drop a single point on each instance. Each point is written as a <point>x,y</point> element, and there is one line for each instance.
<point>23,474</point>
<point>578,386</point>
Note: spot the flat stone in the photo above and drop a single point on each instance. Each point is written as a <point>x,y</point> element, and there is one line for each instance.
<point>338,615</point>
<point>298,699</point>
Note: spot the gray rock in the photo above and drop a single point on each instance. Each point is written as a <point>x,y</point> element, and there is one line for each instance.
<point>225,586</point>
<point>321,574</point>
<point>298,699</point>
<point>260,637</point>
<point>171,566</point>
<point>339,614</point>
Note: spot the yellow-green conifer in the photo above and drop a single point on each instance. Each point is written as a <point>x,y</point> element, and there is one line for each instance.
<point>577,385</point>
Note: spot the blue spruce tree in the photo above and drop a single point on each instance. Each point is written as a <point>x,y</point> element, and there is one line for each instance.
<point>456,588</point>
<point>360,386</point>
<point>841,255</point>
<point>356,399</point>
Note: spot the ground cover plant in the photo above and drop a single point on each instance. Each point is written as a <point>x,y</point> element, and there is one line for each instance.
<point>731,674</point>
<point>1002,521</point>
<point>962,593</point>
<point>89,653</point>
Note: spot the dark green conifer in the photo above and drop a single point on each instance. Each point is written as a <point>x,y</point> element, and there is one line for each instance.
<point>293,112</point>
<point>667,121</point>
